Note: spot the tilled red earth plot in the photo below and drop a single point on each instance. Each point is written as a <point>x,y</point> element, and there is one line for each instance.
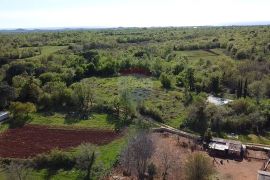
<point>31,140</point>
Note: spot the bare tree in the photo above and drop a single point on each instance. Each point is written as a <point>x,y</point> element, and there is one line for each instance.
<point>86,159</point>
<point>137,154</point>
<point>127,160</point>
<point>17,171</point>
<point>168,162</point>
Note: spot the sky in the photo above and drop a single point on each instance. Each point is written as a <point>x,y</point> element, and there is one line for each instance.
<point>130,13</point>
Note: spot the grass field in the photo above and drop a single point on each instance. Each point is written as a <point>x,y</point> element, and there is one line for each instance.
<point>48,50</point>
<point>199,53</point>
<point>96,121</point>
<point>176,122</point>
<point>144,89</point>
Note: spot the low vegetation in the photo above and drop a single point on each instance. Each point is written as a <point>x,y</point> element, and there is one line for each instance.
<point>111,79</point>
<point>199,166</point>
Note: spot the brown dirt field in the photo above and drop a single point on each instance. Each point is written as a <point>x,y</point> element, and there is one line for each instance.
<point>231,169</point>
<point>31,140</point>
<point>235,170</point>
<point>260,155</point>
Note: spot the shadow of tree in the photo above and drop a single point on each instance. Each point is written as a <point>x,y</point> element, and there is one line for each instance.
<point>49,174</point>
<point>112,119</point>
<point>75,117</point>
<point>19,121</point>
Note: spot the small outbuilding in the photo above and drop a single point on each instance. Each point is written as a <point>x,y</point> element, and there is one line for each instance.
<point>218,101</point>
<point>224,147</point>
<point>4,116</point>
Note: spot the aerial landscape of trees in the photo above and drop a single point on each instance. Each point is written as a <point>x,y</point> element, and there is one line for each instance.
<point>134,75</point>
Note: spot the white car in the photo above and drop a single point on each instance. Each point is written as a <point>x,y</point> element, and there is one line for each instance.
<point>4,116</point>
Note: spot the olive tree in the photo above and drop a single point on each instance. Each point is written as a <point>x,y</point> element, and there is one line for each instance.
<point>20,112</point>
<point>84,96</point>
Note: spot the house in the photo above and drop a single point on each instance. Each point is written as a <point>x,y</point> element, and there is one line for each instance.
<point>4,116</point>
<point>224,147</point>
<point>218,101</point>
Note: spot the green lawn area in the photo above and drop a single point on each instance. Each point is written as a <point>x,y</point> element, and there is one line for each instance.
<point>197,53</point>
<point>3,127</point>
<point>48,50</point>
<point>96,121</point>
<point>175,123</point>
<point>252,138</point>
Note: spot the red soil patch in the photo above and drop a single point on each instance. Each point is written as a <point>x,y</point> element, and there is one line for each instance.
<point>30,140</point>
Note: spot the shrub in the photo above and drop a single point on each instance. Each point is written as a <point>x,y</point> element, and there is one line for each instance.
<point>165,81</point>
<point>20,112</point>
<point>241,106</point>
<point>49,77</point>
<point>178,68</point>
<point>241,54</point>
<point>152,113</point>
<point>31,91</point>
<point>91,56</point>
<point>103,108</point>
<point>55,160</point>
<point>86,159</point>
<point>198,166</point>
<point>197,118</point>
<point>15,70</point>
<point>208,135</point>
<point>108,69</point>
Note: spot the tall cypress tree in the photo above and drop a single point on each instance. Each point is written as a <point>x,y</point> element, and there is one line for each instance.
<point>238,89</point>
<point>241,88</point>
<point>245,88</point>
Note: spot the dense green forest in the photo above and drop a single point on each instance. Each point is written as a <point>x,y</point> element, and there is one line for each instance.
<point>164,74</point>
